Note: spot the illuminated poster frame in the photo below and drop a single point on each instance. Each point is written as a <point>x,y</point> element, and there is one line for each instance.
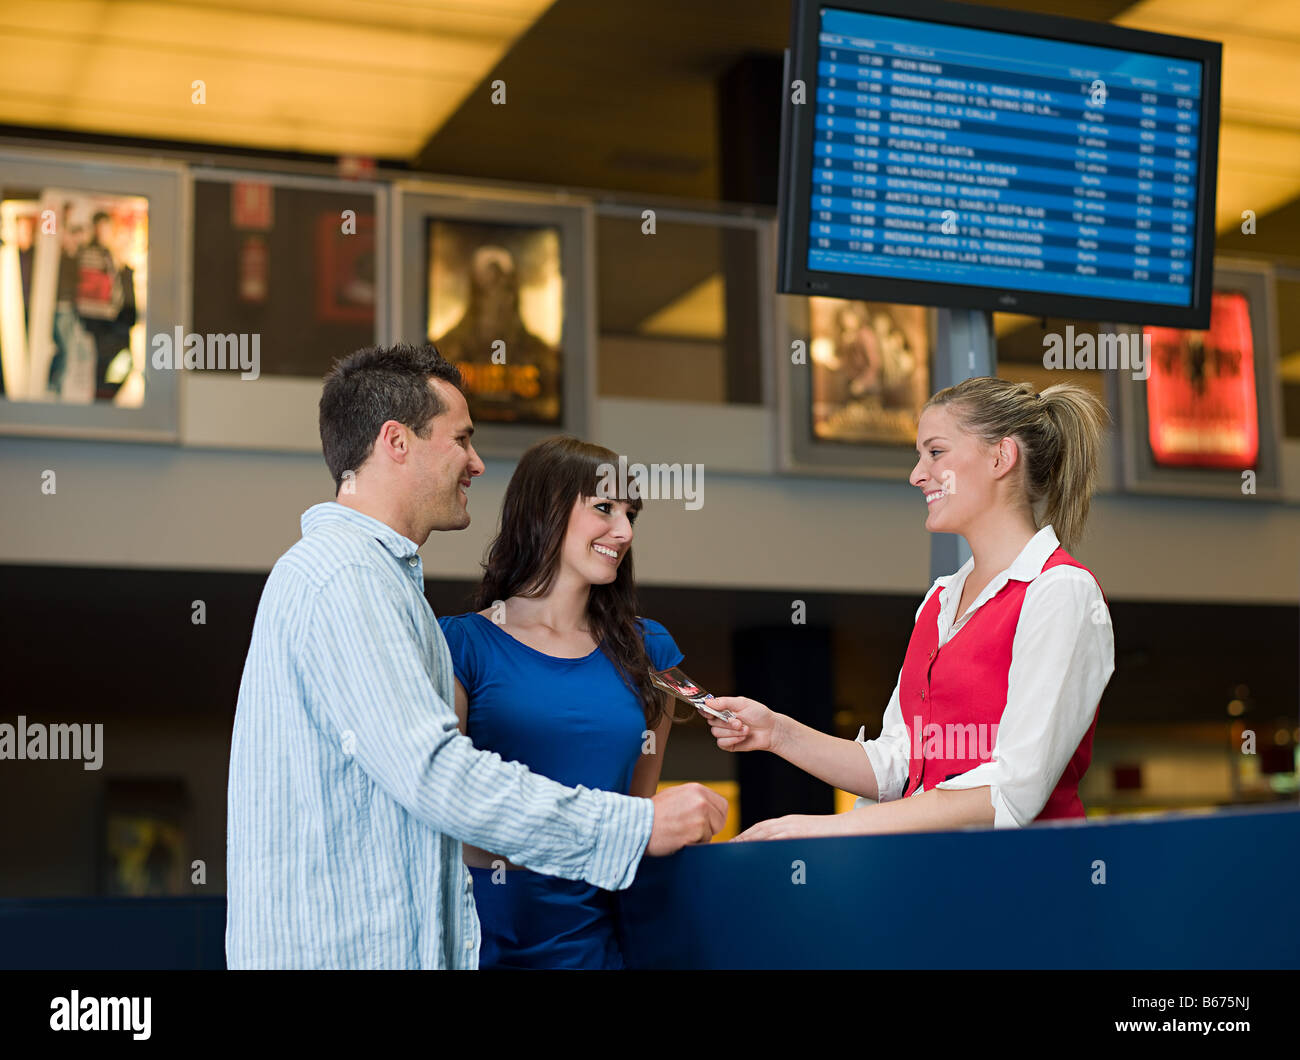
<point>162,296</point>
<point>801,449</point>
<point>1143,472</point>
<point>277,411</point>
<point>417,205</point>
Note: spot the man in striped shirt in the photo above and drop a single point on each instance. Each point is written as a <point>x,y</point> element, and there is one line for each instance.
<point>351,787</point>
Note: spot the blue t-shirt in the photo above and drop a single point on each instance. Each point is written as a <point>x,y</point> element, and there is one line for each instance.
<point>577,722</point>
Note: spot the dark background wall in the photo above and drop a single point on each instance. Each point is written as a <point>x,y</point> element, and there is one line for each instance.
<point>119,647</point>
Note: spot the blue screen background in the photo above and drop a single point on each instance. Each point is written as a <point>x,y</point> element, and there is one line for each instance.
<point>956,155</point>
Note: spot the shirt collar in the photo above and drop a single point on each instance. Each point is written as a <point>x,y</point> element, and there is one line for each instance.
<point>1024,568</point>
<point>330,513</point>
<point>1029,564</point>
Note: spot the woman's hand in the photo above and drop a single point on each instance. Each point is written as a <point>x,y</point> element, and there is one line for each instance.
<point>754,727</point>
<point>793,826</point>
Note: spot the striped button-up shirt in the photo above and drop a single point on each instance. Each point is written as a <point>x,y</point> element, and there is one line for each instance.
<point>351,787</point>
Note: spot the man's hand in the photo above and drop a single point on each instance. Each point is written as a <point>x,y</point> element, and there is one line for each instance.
<point>684,814</point>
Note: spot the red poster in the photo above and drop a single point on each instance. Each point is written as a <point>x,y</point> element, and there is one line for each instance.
<point>1201,405</point>
<point>250,205</point>
<point>345,268</point>
<point>254,270</point>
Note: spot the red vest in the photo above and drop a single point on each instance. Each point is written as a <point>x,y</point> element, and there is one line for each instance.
<point>962,689</point>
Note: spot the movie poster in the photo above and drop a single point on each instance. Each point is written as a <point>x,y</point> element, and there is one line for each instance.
<point>345,269</point>
<point>1202,409</point>
<point>870,370</point>
<point>496,310</point>
<point>73,278</point>
<point>143,837</point>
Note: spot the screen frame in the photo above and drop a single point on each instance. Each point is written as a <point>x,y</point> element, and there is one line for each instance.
<point>798,128</point>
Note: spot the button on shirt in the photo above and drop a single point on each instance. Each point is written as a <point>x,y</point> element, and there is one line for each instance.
<point>352,788</point>
<point>1061,659</point>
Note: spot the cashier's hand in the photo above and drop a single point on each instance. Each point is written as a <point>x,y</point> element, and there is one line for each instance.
<point>753,729</point>
<point>793,826</point>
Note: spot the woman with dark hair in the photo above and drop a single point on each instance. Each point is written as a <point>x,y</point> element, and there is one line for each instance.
<point>992,718</point>
<point>552,670</point>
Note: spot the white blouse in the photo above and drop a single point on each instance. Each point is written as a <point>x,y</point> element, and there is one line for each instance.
<point>1061,659</point>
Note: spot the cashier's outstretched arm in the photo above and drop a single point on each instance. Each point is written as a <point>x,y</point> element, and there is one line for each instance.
<point>938,810</point>
<point>838,762</point>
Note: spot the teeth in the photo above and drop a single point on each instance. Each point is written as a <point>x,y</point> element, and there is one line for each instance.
<point>932,497</point>
<point>605,551</point>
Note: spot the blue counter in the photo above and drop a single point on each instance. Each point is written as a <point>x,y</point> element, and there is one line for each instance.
<point>91,934</point>
<point>1206,891</point>
<point>1209,891</point>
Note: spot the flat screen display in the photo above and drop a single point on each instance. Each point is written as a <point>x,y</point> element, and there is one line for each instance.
<point>971,166</point>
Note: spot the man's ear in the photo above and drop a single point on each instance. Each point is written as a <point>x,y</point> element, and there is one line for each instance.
<point>393,441</point>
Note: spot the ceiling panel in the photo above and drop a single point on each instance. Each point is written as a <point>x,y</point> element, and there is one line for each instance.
<point>620,96</point>
<point>624,96</point>
<point>333,77</point>
<point>1259,139</point>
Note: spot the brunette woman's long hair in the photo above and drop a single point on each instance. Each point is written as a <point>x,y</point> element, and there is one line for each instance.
<point>524,557</point>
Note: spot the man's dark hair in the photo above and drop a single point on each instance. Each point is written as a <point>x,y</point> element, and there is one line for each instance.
<point>366,389</point>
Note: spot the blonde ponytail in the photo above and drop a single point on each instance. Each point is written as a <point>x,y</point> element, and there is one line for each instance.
<point>1079,421</point>
<point>1059,433</point>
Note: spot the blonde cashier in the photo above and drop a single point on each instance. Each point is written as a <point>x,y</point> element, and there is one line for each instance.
<point>992,718</point>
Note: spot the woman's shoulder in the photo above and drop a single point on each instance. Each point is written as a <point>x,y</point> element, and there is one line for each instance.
<point>654,632</point>
<point>659,644</point>
<point>1067,591</point>
<point>1062,568</point>
<point>459,629</point>
<point>457,621</point>
<point>471,649</point>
